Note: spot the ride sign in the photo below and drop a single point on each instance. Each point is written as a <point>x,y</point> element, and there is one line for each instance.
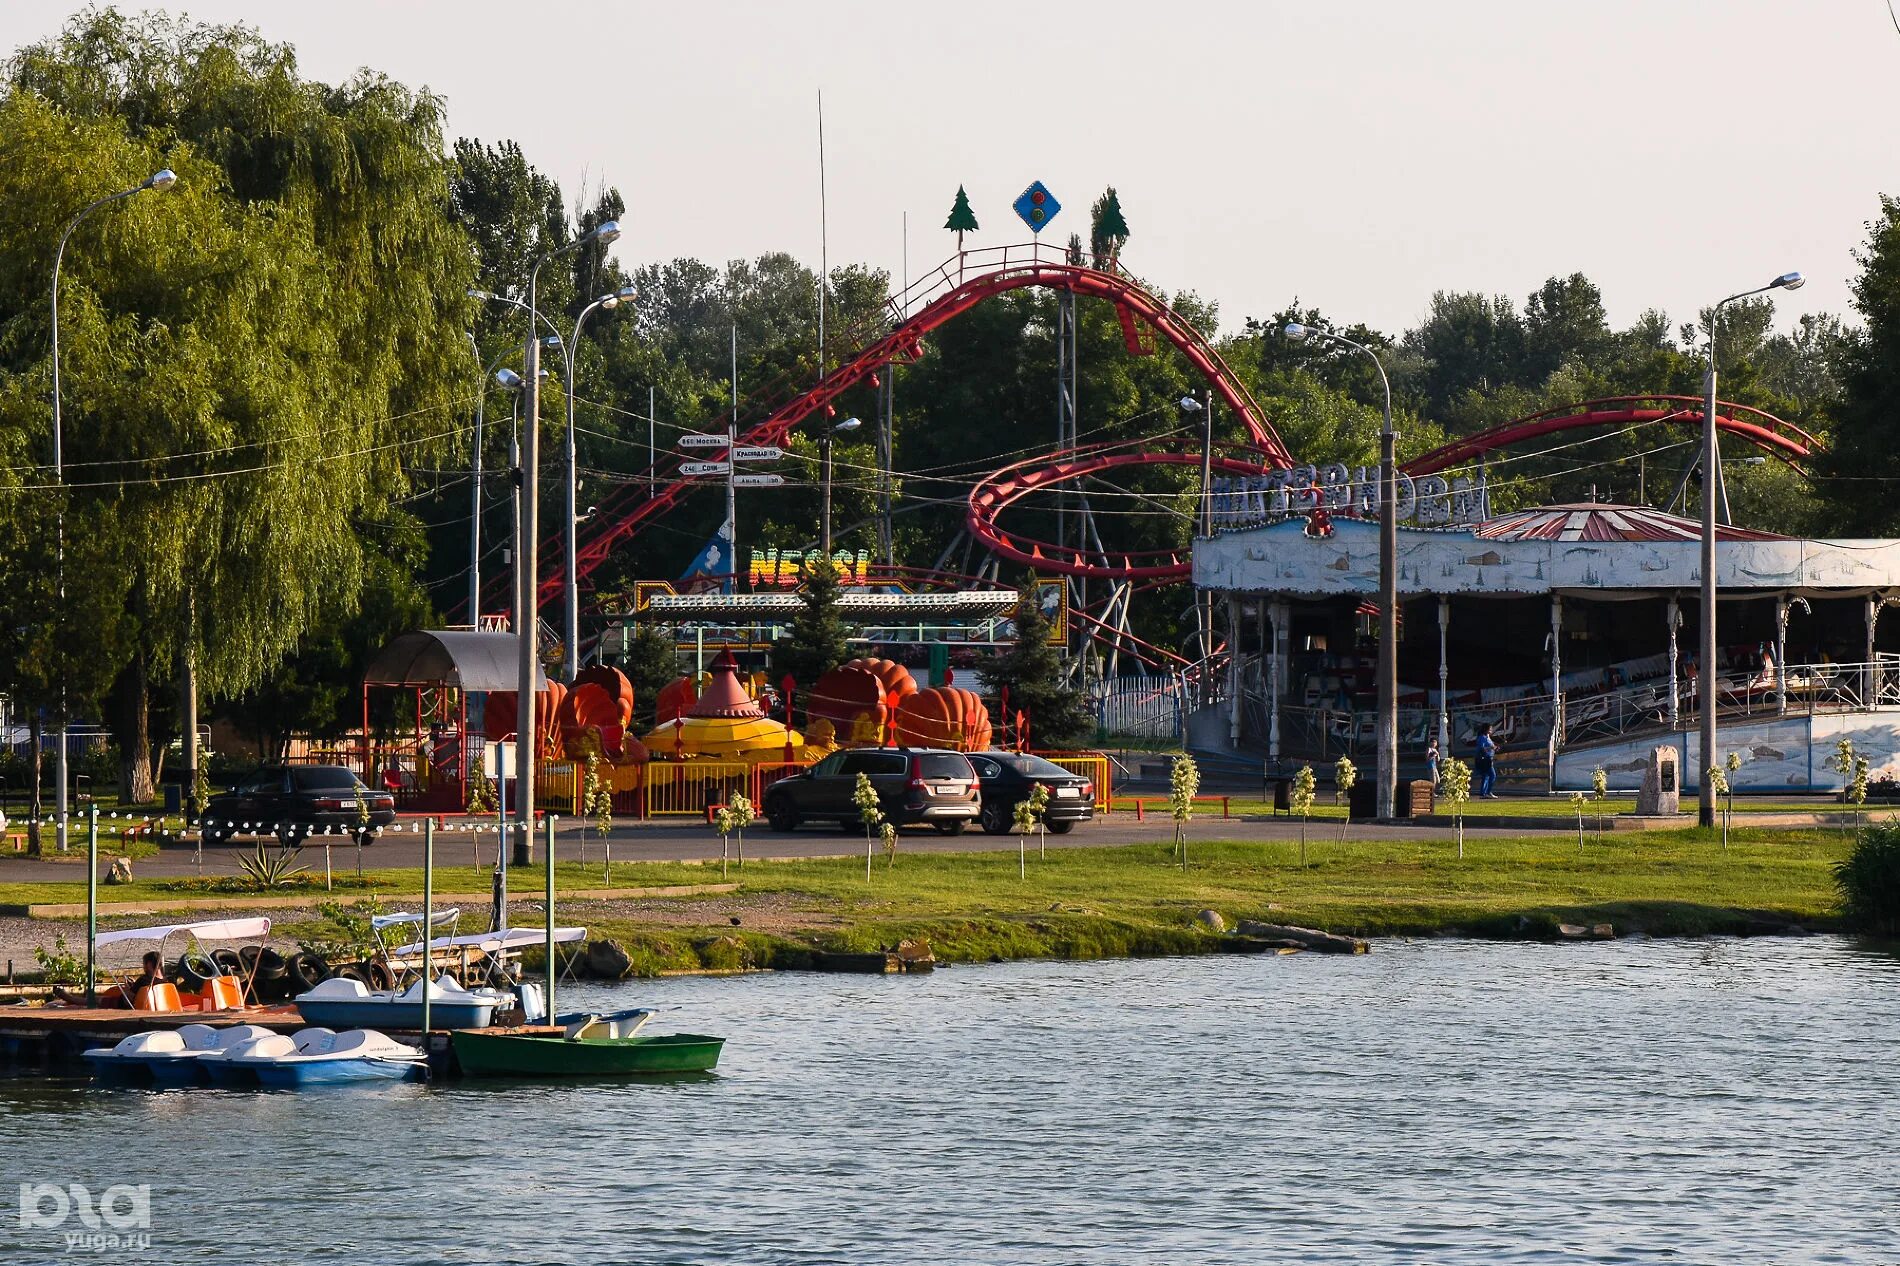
<point>1037,206</point>
<point>1430,500</point>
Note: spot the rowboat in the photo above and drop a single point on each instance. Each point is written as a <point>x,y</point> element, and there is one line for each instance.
<point>588,1046</point>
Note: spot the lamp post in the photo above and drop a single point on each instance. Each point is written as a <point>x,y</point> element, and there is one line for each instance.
<point>160,180</point>
<point>490,372</point>
<point>824,442</point>
<point>570,524</point>
<point>1388,572</point>
<point>1706,684</point>
<point>526,559</point>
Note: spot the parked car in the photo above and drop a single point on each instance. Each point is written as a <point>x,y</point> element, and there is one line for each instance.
<point>915,786</point>
<point>1008,778</point>
<point>297,801</point>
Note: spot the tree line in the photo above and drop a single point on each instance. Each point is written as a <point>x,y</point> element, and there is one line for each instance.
<point>270,373</point>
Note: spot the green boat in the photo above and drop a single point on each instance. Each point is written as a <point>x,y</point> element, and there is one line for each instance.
<point>592,1047</point>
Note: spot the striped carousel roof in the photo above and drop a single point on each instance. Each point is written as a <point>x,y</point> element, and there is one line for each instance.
<point>1596,521</point>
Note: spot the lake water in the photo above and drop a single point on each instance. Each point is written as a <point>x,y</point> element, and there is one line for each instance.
<point>1693,1101</point>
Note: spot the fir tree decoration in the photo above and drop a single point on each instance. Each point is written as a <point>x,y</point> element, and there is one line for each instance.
<point>962,220</point>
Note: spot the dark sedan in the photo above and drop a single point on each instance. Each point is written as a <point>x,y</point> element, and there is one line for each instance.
<point>915,787</point>
<point>294,802</point>
<point>1008,778</point>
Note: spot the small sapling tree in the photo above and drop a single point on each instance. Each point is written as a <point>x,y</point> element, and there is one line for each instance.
<point>1184,780</point>
<point>1454,783</point>
<point>871,813</point>
<point>1345,774</point>
<point>1300,796</point>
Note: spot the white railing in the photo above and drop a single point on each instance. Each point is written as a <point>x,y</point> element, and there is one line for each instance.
<point>1144,707</point>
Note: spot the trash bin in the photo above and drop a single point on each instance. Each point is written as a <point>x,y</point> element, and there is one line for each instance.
<point>174,798</point>
<point>1417,798</point>
<point>1362,802</point>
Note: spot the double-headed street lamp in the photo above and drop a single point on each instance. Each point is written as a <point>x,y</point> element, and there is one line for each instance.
<point>570,522</point>
<point>1388,573</point>
<point>160,180</point>
<point>1706,684</point>
<point>824,443</point>
<point>528,553</point>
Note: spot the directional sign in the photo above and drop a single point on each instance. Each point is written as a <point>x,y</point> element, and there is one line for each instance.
<point>757,454</point>
<point>1037,206</point>
<point>757,481</point>
<point>704,468</point>
<point>703,441</point>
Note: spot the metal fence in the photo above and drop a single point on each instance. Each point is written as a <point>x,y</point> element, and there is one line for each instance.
<point>1091,765</point>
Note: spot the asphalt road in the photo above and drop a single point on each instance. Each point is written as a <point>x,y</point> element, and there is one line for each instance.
<point>688,839</point>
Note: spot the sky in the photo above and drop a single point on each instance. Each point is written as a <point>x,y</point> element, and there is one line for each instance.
<point>1357,156</point>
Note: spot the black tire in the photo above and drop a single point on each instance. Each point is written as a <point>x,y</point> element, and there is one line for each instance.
<point>292,835</point>
<point>305,972</point>
<point>351,971</point>
<point>1062,826</point>
<point>996,817</point>
<point>195,972</point>
<point>365,838</point>
<point>380,976</point>
<point>950,828</point>
<point>229,961</point>
<point>270,964</point>
<point>211,838</point>
<point>782,814</point>
<point>247,956</point>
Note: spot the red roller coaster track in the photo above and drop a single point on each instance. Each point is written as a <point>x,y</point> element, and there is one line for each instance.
<point>963,282</point>
<point>957,286</point>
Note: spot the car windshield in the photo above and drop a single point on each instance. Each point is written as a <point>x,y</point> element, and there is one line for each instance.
<point>1037,767</point>
<point>323,778</point>
<point>944,765</point>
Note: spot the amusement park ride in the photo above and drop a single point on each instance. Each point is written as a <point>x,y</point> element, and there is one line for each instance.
<point>1100,610</point>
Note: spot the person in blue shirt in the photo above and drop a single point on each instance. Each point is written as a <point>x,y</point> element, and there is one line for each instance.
<point>1486,764</point>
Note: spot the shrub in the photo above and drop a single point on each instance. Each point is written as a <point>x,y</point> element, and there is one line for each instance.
<point>1868,879</point>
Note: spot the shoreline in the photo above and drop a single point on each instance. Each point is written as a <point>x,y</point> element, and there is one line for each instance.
<point>1097,902</point>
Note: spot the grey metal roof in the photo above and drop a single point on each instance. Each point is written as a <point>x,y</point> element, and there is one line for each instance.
<point>464,658</point>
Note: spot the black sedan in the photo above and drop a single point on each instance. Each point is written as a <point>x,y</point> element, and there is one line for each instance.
<point>1008,778</point>
<point>294,802</point>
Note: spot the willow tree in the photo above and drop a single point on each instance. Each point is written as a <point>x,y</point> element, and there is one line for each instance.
<point>250,360</point>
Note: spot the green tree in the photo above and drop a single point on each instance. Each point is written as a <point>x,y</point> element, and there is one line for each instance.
<point>1032,671</point>
<point>651,662</point>
<point>962,220</point>
<point>817,641</point>
<point>250,359</point>
<point>1865,454</point>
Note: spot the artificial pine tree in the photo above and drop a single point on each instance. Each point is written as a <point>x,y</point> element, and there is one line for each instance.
<point>1032,671</point>
<point>962,220</point>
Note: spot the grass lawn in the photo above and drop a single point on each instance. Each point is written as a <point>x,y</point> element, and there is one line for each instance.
<point>1109,902</point>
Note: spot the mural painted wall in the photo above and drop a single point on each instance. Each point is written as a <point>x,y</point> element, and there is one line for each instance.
<point>1782,754</point>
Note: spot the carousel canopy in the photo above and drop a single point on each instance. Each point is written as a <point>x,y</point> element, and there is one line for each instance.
<point>1595,550</point>
<point>463,658</point>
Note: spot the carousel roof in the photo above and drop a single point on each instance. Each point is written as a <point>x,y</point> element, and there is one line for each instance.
<point>1600,521</point>
<point>724,696</point>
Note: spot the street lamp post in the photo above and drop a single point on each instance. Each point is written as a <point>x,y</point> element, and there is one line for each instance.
<point>160,180</point>
<point>489,373</point>
<point>824,442</point>
<point>1706,684</point>
<point>570,544</point>
<point>527,556</point>
<point>1388,573</point>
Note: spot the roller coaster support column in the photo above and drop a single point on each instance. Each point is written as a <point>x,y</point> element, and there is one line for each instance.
<point>1706,682</point>
<point>1233,669</point>
<point>1672,616</point>
<point>1276,615</point>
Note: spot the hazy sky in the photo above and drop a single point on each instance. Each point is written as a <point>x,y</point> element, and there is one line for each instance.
<point>1356,155</point>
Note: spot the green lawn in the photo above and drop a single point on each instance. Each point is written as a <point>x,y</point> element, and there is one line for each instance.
<point>1100,902</point>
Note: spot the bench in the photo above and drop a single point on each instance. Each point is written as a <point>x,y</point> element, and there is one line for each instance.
<point>1140,803</point>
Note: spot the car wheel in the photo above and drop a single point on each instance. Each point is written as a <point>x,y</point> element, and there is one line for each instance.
<point>1063,827</point>
<point>996,818</point>
<point>782,814</point>
<point>291,836</point>
<point>951,828</point>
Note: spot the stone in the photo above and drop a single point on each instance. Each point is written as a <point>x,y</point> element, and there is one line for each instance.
<point>1602,932</point>
<point>607,961</point>
<point>916,955</point>
<point>1661,792</point>
<point>120,871</point>
<point>1572,931</point>
<point>1212,920</point>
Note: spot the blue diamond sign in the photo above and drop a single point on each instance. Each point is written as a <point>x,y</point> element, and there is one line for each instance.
<point>1037,206</point>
